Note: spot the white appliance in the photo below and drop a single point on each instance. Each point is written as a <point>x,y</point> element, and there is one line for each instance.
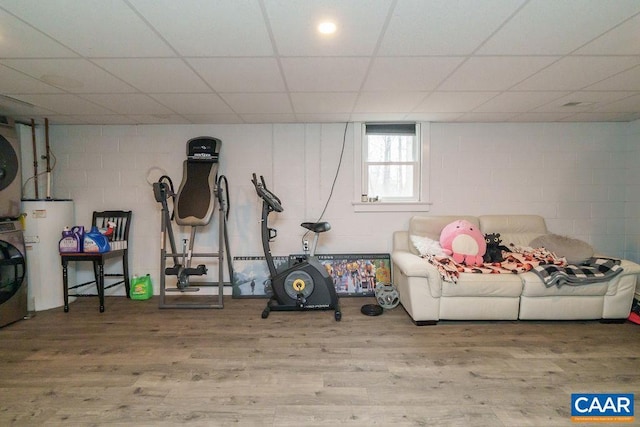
<point>43,224</point>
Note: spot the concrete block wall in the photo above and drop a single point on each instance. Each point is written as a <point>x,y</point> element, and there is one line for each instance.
<point>579,176</point>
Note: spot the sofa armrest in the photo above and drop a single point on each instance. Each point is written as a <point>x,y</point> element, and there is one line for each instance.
<point>414,266</point>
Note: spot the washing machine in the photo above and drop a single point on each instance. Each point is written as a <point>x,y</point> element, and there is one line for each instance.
<point>10,173</point>
<point>13,272</point>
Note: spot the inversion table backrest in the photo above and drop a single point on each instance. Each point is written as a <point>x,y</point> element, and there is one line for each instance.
<point>196,201</point>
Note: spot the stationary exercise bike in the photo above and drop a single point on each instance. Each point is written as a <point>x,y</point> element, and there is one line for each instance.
<point>305,285</point>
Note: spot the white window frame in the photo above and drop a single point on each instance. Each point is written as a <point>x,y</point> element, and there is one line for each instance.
<point>421,204</point>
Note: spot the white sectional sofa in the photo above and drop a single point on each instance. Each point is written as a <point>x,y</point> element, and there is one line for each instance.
<point>427,298</point>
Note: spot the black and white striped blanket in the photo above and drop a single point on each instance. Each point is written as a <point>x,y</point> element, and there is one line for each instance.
<point>594,270</point>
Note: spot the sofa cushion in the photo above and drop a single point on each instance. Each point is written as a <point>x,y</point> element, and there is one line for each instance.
<point>534,287</point>
<point>574,250</point>
<point>431,226</point>
<point>477,285</point>
<point>514,229</point>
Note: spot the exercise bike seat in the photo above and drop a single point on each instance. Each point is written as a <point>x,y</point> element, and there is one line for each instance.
<point>317,227</point>
<point>195,201</point>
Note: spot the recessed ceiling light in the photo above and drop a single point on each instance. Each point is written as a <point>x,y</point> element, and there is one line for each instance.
<point>327,27</point>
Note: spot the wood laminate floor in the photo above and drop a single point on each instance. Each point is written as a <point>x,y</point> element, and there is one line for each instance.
<point>138,365</point>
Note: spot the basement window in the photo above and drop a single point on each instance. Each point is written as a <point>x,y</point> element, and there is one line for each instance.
<point>391,167</point>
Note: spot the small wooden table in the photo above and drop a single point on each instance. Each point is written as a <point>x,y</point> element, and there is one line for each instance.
<point>98,260</point>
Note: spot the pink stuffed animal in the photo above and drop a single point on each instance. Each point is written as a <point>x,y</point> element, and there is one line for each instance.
<point>463,242</point>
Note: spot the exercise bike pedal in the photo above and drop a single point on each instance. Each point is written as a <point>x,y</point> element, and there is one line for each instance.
<point>173,271</point>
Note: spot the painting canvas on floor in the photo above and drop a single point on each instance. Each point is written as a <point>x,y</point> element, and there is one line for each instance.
<point>251,275</point>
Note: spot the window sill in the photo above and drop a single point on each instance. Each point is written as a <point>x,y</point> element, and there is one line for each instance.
<point>391,206</point>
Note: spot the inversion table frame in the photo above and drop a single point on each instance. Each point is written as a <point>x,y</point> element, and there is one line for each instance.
<point>201,165</point>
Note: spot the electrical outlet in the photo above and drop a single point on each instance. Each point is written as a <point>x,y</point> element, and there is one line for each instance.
<point>305,245</point>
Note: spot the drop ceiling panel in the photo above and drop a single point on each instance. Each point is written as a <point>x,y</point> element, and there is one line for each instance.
<point>485,117</point>
<point>586,101</point>
<point>193,103</point>
<point>323,103</point>
<point>258,103</point>
<point>240,74</point>
<point>621,40</point>
<point>129,103</point>
<point>626,80</point>
<point>93,28</point>
<point>626,105</point>
<point>443,27</point>
<point>215,28</point>
<point>65,104</point>
<point>155,75</point>
<point>263,60</point>
<point>212,118</point>
<point>72,75</point>
<point>12,81</point>
<point>552,27</point>
<point>454,102</point>
<point>573,73</point>
<point>495,73</point>
<point>405,74</point>
<point>518,101</point>
<point>388,102</point>
<point>324,74</point>
<point>294,24</point>
<point>268,118</point>
<point>19,40</point>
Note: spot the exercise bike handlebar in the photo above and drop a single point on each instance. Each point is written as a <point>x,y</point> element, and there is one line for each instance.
<point>269,198</point>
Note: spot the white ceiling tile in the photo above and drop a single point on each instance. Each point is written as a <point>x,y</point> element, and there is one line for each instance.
<point>129,103</point>
<point>626,105</point>
<point>404,74</point>
<point>155,75</point>
<point>93,28</point>
<point>12,81</point>
<point>552,27</point>
<point>324,74</point>
<point>14,109</point>
<point>538,117</point>
<point>622,40</point>
<point>626,80</point>
<point>215,28</point>
<point>453,102</point>
<point>100,119</point>
<point>485,117</point>
<point>268,118</point>
<point>378,117</point>
<point>573,73</point>
<point>65,104</point>
<point>258,103</point>
<point>433,117</point>
<point>494,73</point>
<point>157,119</point>
<point>71,75</point>
<point>325,102</point>
<point>213,118</point>
<point>294,25</point>
<point>443,27</point>
<point>588,101</point>
<point>193,103</point>
<point>518,101</point>
<point>240,74</point>
<point>388,102</point>
<point>323,118</point>
<point>602,117</point>
<point>18,40</point>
